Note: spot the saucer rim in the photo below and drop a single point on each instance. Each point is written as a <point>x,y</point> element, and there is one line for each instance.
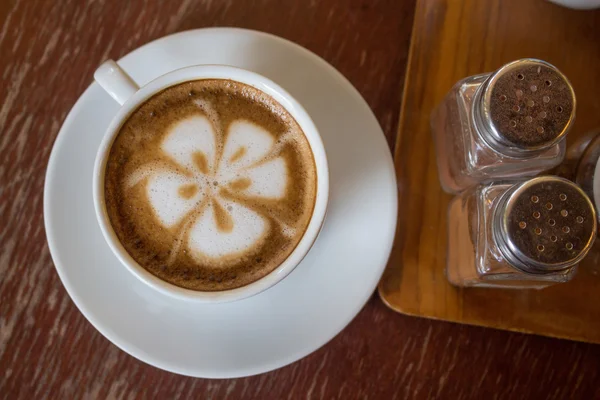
<point>286,358</point>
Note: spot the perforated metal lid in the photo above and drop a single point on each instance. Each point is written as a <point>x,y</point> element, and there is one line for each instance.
<point>544,224</point>
<point>527,105</point>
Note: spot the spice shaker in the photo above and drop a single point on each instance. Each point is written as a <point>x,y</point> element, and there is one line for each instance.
<point>582,165</point>
<point>529,234</point>
<point>504,125</point>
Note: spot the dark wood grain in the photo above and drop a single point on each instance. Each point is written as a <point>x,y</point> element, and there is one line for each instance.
<point>49,51</point>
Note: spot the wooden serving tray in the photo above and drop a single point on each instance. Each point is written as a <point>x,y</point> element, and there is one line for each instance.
<point>453,39</point>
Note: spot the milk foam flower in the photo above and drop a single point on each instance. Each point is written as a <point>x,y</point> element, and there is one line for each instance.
<point>211,193</point>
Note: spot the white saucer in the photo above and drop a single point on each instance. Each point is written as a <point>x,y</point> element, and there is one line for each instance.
<point>279,326</point>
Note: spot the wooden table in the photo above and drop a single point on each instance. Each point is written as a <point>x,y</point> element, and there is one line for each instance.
<point>47,348</point>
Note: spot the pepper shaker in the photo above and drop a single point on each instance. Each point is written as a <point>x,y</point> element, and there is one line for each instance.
<point>505,125</point>
<point>587,173</point>
<point>582,165</point>
<point>525,235</point>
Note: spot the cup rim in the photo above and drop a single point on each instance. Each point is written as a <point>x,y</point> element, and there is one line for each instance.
<point>282,97</point>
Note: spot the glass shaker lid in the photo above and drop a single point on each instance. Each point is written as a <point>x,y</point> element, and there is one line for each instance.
<point>545,224</point>
<point>528,104</point>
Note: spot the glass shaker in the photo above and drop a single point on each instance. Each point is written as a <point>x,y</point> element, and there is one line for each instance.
<point>587,170</point>
<point>504,125</point>
<point>525,235</point>
<point>582,165</point>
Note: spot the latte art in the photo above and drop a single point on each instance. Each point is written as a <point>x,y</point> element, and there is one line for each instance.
<point>201,194</point>
<point>210,184</point>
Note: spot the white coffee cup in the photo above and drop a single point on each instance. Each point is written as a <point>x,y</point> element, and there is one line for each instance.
<point>127,93</point>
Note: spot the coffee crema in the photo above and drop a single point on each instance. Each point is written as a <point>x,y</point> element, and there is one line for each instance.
<point>210,184</point>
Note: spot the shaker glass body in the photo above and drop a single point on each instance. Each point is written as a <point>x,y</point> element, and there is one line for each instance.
<point>464,157</point>
<point>474,258</point>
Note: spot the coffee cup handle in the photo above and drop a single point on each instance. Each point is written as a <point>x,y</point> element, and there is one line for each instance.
<point>115,81</point>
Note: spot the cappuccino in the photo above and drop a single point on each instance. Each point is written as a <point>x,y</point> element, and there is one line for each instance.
<point>210,184</point>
